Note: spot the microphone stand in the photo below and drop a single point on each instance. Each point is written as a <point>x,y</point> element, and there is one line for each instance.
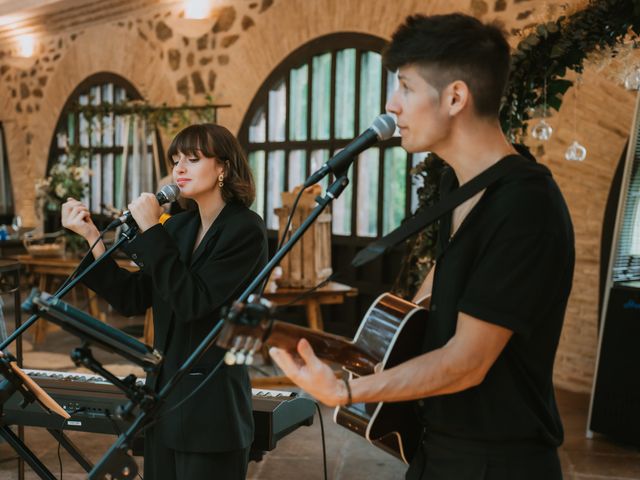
<point>125,236</point>
<point>116,462</point>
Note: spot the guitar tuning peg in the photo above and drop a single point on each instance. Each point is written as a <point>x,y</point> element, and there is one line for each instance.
<point>230,357</point>
<point>249,359</point>
<point>240,358</point>
<point>253,349</point>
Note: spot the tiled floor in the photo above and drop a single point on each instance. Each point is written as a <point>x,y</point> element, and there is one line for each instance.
<point>299,455</point>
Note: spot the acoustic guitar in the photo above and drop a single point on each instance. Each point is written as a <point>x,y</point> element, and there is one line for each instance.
<point>390,333</point>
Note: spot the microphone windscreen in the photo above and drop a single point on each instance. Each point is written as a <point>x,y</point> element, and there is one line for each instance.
<point>384,126</point>
<point>168,194</point>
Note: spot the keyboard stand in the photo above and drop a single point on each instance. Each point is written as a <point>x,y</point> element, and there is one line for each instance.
<point>33,461</point>
<point>25,453</point>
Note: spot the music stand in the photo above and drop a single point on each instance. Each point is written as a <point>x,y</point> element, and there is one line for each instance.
<point>92,331</point>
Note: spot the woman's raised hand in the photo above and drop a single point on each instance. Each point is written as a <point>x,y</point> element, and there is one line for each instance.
<point>145,210</point>
<point>77,218</point>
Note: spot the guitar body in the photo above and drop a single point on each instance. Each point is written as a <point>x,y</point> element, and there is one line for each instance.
<point>392,332</point>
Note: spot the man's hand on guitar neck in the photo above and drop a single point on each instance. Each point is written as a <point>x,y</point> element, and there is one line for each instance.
<point>311,374</point>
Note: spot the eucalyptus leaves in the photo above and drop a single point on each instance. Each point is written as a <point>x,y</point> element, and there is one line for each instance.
<point>552,48</point>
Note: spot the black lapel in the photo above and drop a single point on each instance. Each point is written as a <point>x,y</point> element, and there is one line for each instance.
<point>228,211</point>
<point>186,235</point>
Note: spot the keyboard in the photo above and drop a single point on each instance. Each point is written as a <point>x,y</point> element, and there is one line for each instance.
<point>93,401</point>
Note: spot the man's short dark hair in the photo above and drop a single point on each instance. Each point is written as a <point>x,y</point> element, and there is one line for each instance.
<point>455,47</point>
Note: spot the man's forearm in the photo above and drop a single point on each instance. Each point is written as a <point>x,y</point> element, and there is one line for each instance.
<point>430,374</point>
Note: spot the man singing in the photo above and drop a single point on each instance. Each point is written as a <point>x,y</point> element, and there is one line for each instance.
<point>483,386</point>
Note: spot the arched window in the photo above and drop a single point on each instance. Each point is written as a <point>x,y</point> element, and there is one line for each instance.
<point>320,97</point>
<point>118,149</point>
<point>6,193</point>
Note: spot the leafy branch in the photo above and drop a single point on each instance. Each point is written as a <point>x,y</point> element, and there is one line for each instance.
<point>552,48</point>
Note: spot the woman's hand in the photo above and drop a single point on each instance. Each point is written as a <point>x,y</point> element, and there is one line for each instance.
<point>77,218</point>
<point>311,374</point>
<point>146,211</point>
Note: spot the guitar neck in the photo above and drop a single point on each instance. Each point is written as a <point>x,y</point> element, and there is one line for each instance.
<point>327,346</point>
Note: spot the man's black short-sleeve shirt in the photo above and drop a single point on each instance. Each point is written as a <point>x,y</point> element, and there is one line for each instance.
<point>511,264</point>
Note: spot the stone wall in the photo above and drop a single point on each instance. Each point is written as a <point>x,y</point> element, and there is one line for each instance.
<point>249,40</point>
<point>163,66</point>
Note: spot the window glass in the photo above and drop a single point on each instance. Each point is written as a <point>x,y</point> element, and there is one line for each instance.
<point>345,93</point>
<point>275,186</point>
<point>277,112</point>
<point>297,168</point>
<point>395,194</point>
<point>298,81</point>
<point>342,209</point>
<point>367,213</point>
<point>321,112</point>
<point>257,164</point>
<point>370,88</point>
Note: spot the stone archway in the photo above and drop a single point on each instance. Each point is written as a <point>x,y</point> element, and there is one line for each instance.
<point>127,55</point>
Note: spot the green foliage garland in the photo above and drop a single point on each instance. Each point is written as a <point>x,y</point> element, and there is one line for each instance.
<point>552,48</point>
<point>421,248</point>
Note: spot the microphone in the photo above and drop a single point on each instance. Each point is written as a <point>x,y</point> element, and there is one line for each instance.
<point>382,128</point>
<point>167,194</point>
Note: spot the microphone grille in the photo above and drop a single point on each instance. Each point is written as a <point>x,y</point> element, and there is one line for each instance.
<point>384,125</point>
<point>171,192</point>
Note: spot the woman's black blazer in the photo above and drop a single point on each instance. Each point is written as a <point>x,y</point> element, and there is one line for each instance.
<point>187,290</point>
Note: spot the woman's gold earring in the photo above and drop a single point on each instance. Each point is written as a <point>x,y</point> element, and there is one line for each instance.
<point>221,180</point>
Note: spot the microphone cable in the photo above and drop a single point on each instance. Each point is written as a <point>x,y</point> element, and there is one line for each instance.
<point>284,235</point>
<point>84,257</point>
<point>64,422</point>
<point>310,290</point>
<point>324,447</point>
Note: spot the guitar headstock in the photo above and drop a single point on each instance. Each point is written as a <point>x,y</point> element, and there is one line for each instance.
<point>246,328</point>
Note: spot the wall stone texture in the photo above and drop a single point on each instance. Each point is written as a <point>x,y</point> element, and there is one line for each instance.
<point>249,39</point>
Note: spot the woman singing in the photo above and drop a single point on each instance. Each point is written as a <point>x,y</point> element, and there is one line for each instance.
<point>197,262</point>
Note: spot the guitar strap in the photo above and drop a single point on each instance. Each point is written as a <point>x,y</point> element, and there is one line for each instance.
<point>419,221</point>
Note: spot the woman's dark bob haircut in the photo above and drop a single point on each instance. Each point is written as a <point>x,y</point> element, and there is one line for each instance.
<point>215,141</point>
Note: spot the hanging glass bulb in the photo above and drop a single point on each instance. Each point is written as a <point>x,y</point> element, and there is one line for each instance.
<point>542,131</point>
<point>632,80</point>
<point>575,152</point>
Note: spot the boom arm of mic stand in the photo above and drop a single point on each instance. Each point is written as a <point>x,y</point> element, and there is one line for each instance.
<point>64,291</point>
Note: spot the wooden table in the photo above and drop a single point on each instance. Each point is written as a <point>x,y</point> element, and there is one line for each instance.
<point>48,268</point>
<point>332,293</point>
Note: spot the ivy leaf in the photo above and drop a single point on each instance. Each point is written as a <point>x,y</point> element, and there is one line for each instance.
<point>559,86</point>
<point>557,51</point>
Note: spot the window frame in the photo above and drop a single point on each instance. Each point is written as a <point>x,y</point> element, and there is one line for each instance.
<point>84,88</point>
<point>304,55</point>
<point>8,201</point>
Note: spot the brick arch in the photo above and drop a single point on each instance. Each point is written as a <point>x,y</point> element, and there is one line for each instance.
<point>258,53</point>
<point>128,56</point>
